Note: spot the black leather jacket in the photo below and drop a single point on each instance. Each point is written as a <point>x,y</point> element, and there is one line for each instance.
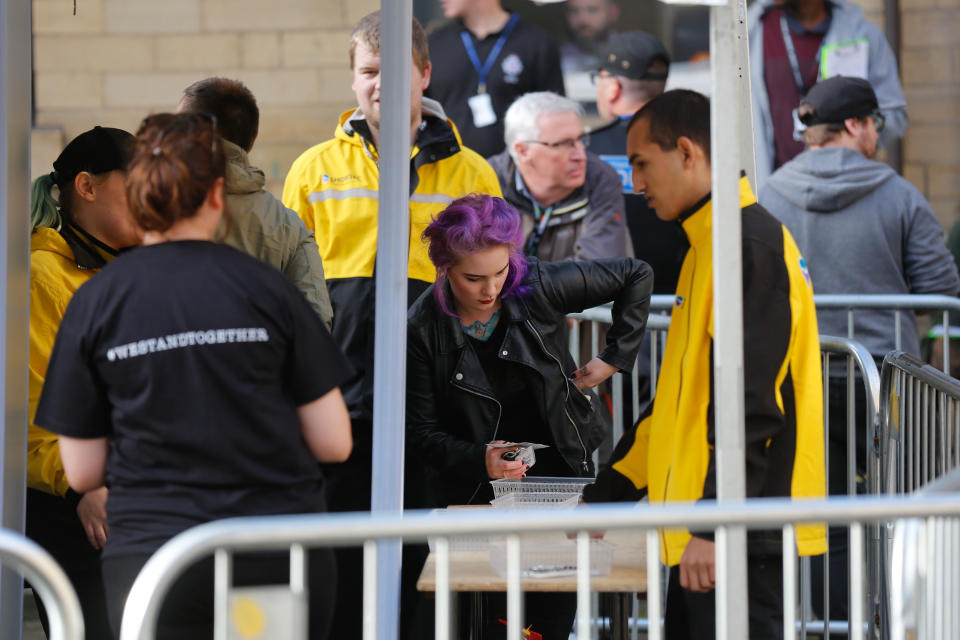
<point>451,409</point>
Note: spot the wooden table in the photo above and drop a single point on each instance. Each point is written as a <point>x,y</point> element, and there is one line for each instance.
<point>471,571</point>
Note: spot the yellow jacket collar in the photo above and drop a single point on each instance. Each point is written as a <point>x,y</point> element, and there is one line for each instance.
<point>697,222</point>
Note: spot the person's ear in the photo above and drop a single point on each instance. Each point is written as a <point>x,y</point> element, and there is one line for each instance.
<point>215,195</point>
<point>85,186</point>
<point>522,150</point>
<point>614,90</point>
<point>426,77</point>
<point>852,126</point>
<point>689,150</point>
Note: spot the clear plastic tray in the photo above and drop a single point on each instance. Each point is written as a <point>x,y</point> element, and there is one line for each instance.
<point>536,499</point>
<point>538,484</point>
<point>550,558</point>
<point>464,543</point>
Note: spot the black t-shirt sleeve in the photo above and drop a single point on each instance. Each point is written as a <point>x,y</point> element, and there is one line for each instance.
<point>315,364</point>
<point>74,401</point>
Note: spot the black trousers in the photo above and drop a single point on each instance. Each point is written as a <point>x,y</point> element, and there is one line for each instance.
<point>692,616</point>
<point>52,523</point>
<point>349,487</point>
<point>187,611</point>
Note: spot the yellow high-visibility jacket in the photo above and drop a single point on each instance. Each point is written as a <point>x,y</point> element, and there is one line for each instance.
<point>333,188</point>
<point>671,453</point>
<point>54,278</point>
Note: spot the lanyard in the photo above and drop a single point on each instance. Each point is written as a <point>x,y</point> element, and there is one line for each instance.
<point>484,70</point>
<point>792,55</point>
<point>540,220</point>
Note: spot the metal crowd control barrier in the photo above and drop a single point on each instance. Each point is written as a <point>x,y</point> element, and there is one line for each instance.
<point>297,533</point>
<point>925,581</point>
<point>859,361</point>
<point>918,442</point>
<point>898,303</point>
<point>48,580</point>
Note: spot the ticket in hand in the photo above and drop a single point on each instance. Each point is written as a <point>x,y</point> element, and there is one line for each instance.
<point>522,451</point>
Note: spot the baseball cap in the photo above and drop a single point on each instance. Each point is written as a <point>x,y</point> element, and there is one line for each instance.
<point>96,151</point>
<point>836,99</point>
<point>631,53</point>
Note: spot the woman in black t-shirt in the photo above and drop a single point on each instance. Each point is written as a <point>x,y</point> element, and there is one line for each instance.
<point>488,361</point>
<point>196,382</point>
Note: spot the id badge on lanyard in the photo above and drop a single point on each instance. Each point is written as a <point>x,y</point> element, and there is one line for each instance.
<point>481,106</point>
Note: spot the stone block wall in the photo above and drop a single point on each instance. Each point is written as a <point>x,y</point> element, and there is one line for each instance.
<point>118,60</point>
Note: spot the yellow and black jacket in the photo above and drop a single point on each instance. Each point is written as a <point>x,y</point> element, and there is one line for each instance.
<point>671,453</point>
<point>333,188</point>
<point>59,264</point>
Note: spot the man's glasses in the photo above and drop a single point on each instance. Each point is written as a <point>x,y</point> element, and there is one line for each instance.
<point>567,145</point>
<point>879,120</point>
<point>188,122</point>
<point>597,76</point>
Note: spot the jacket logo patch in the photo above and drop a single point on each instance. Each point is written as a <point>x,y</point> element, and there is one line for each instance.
<point>678,302</point>
<point>512,67</point>
<point>803,269</point>
<point>326,179</point>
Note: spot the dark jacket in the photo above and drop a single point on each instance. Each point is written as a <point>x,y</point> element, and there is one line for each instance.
<point>451,411</point>
<point>589,223</point>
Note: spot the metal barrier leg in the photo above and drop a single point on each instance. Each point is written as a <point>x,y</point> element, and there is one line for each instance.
<point>789,583</point>
<point>514,594</point>
<point>370,590</point>
<point>583,586</point>
<point>442,613</point>
<point>654,593</point>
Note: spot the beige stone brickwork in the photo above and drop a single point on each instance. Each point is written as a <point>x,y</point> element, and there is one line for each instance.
<point>118,60</point>
<point>931,82</point>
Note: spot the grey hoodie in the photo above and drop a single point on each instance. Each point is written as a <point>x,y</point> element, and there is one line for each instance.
<point>847,22</point>
<point>862,229</point>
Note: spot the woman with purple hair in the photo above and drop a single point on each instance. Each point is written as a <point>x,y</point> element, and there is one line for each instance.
<point>487,352</point>
<point>488,361</point>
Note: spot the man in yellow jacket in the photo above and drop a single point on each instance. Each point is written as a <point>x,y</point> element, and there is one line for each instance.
<point>671,454</point>
<point>333,187</point>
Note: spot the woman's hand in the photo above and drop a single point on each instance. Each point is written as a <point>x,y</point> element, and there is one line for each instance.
<point>498,468</point>
<point>592,374</point>
<point>92,511</point>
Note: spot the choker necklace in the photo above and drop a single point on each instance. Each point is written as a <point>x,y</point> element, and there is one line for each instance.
<point>482,330</point>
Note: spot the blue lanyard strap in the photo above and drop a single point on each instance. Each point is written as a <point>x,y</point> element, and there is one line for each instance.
<point>483,70</point>
<point>792,56</point>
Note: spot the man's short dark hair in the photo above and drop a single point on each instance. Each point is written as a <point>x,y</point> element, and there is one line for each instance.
<point>676,113</point>
<point>238,118</point>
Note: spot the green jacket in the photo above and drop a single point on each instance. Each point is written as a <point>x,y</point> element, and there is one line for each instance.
<point>259,225</point>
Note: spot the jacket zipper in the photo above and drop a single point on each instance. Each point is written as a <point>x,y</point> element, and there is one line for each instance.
<point>496,426</point>
<point>566,389</point>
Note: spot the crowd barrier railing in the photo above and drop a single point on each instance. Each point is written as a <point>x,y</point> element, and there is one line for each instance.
<point>860,362</point>
<point>49,581</point>
<point>224,538</point>
<point>918,442</point>
<point>925,580</point>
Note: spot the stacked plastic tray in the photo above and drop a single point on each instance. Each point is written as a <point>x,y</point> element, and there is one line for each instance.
<point>545,556</point>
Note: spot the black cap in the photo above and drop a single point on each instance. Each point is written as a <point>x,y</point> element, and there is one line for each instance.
<point>630,55</point>
<point>96,151</point>
<point>835,99</point>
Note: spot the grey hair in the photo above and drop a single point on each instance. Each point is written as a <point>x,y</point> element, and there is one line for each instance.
<point>520,121</point>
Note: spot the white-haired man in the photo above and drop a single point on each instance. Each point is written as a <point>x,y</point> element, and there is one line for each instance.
<point>570,199</point>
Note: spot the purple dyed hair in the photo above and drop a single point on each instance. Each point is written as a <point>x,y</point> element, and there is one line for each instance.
<point>470,224</point>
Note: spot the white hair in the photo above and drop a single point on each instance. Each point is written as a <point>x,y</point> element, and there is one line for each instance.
<point>520,121</point>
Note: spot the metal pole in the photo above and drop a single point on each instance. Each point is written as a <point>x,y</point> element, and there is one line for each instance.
<point>390,341</point>
<point>15,73</point>
<point>729,68</point>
